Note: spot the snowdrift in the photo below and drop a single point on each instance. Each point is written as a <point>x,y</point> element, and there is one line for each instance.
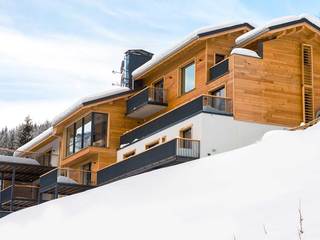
<point>251,193</point>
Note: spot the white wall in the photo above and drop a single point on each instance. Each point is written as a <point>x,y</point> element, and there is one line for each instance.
<point>221,133</point>
<point>217,134</point>
<point>55,147</point>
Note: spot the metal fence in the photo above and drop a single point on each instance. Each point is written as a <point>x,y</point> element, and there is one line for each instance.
<point>188,148</point>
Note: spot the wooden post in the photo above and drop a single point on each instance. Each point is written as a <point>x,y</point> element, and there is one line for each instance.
<point>13,179</point>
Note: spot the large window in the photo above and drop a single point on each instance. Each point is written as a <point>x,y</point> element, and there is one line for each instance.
<point>188,78</point>
<point>88,131</point>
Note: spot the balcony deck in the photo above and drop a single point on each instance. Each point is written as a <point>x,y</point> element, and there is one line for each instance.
<point>146,102</point>
<point>17,197</point>
<point>170,153</point>
<point>204,103</point>
<point>65,181</point>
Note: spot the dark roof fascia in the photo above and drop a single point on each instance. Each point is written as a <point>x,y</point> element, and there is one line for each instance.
<point>108,98</point>
<point>225,29</point>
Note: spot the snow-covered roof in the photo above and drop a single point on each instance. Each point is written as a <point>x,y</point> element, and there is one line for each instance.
<point>86,100</point>
<point>10,159</point>
<point>190,38</point>
<point>38,139</point>
<point>275,23</point>
<point>83,101</point>
<point>245,52</point>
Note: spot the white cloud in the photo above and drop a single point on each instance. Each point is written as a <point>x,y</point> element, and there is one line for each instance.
<point>13,113</point>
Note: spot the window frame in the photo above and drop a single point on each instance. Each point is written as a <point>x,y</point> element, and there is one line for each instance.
<point>73,127</point>
<point>129,154</point>
<point>182,79</point>
<point>152,144</point>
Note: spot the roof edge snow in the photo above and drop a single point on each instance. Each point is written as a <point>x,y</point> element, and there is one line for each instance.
<point>38,139</point>
<point>201,32</point>
<point>276,24</point>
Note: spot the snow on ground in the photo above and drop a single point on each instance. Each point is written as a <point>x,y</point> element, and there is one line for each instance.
<point>251,193</point>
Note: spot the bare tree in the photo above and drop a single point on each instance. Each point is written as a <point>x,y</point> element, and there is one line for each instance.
<point>300,228</point>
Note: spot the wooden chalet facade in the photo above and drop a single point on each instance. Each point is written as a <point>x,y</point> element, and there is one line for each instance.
<point>223,86</point>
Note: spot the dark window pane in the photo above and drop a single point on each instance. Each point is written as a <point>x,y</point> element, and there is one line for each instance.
<point>188,78</point>
<point>99,129</point>
<point>70,140</point>
<point>87,131</point>
<point>221,92</point>
<point>219,58</point>
<point>78,138</point>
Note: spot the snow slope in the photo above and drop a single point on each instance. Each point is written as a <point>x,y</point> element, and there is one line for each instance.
<point>251,193</point>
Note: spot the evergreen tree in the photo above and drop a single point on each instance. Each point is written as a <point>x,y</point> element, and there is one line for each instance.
<point>25,131</point>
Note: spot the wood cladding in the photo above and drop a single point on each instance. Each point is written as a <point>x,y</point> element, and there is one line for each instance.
<point>100,157</point>
<point>307,83</point>
<point>269,90</point>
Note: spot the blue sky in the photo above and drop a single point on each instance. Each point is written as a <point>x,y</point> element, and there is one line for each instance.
<point>53,52</point>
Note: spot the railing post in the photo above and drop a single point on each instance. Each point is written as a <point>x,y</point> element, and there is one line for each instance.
<point>13,179</point>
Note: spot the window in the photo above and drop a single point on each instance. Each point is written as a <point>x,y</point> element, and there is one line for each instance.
<point>100,123</point>
<point>70,140</point>
<point>158,91</point>
<point>164,139</point>
<point>88,131</point>
<point>220,92</point>
<point>129,154</point>
<point>152,144</point>
<point>219,102</point>
<point>219,58</point>
<point>188,78</point>
<point>186,133</point>
<point>45,158</point>
<point>78,137</point>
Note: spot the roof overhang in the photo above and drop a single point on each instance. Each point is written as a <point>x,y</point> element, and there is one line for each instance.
<point>200,34</point>
<point>304,21</point>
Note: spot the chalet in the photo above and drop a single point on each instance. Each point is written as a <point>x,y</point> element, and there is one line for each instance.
<point>219,89</point>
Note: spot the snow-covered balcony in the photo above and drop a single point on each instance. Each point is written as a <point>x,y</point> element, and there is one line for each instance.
<point>147,102</point>
<point>65,181</point>
<point>169,153</point>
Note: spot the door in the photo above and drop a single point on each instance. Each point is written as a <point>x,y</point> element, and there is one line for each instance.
<point>86,174</point>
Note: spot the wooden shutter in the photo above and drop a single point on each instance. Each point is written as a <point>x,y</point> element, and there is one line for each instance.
<point>307,83</point>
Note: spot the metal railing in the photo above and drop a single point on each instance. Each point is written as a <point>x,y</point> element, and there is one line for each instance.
<point>174,151</point>
<point>203,103</point>
<point>188,148</point>
<point>21,192</point>
<point>217,103</point>
<point>219,69</point>
<point>68,176</point>
<point>148,95</point>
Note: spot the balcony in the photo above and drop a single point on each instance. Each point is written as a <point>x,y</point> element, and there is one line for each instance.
<point>219,70</point>
<point>170,153</point>
<point>65,181</point>
<point>16,197</point>
<point>204,103</point>
<point>147,102</point>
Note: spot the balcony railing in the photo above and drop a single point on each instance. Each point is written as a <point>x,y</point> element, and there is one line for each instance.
<point>68,176</point>
<point>204,103</point>
<point>19,192</point>
<point>219,69</point>
<point>172,152</point>
<point>149,95</point>
<point>217,104</point>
